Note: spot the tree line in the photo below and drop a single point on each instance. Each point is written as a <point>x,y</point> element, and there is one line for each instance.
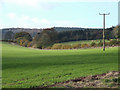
<point>50,36</point>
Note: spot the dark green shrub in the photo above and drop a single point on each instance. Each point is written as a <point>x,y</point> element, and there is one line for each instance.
<point>118,79</point>
<point>100,43</point>
<point>107,80</point>
<point>93,44</point>
<point>107,43</point>
<point>118,42</point>
<point>115,79</point>
<point>39,46</point>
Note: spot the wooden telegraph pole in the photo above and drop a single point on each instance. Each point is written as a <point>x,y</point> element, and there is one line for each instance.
<point>104,29</point>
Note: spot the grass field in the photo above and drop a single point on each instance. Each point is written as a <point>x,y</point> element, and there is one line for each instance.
<point>82,42</point>
<point>27,68</point>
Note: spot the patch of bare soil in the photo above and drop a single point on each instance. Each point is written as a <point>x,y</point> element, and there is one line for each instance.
<point>106,80</point>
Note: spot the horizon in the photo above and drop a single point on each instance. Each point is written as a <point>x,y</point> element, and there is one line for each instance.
<point>59,27</point>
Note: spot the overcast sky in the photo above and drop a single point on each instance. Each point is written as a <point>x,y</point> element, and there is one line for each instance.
<point>59,13</point>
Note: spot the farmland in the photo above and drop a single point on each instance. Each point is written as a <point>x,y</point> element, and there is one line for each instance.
<point>82,42</point>
<point>26,68</point>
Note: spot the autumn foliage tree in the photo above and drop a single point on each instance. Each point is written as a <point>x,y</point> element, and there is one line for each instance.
<point>24,35</point>
<point>46,38</point>
<point>115,32</point>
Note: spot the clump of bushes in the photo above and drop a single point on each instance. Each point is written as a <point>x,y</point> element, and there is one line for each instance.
<point>56,46</point>
<point>23,39</point>
<point>84,45</point>
<point>61,46</point>
<point>46,40</point>
<point>25,43</point>
<point>93,44</point>
<point>18,40</point>
<point>66,47</point>
<point>76,46</point>
<point>113,42</point>
<point>34,46</point>
<point>22,42</point>
<point>106,43</point>
<point>30,44</point>
<point>118,42</point>
<point>49,47</point>
<point>25,35</point>
<point>100,44</point>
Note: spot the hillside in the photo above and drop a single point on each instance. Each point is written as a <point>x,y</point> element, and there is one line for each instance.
<point>28,68</point>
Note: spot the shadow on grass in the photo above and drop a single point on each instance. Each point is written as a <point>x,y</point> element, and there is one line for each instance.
<point>43,61</point>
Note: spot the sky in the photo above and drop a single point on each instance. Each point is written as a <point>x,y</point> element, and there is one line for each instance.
<point>57,13</point>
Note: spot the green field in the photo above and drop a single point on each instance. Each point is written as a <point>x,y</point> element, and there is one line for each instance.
<point>27,68</point>
<point>82,42</point>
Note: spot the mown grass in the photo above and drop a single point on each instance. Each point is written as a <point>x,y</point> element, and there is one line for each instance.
<point>26,68</point>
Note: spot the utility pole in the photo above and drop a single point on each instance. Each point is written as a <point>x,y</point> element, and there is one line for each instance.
<point>104,29</point>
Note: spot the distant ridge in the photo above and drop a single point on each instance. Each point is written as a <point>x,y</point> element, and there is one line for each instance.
<point>34,31</point>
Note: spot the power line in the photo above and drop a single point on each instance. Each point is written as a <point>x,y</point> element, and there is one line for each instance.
<point>104,29</point>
